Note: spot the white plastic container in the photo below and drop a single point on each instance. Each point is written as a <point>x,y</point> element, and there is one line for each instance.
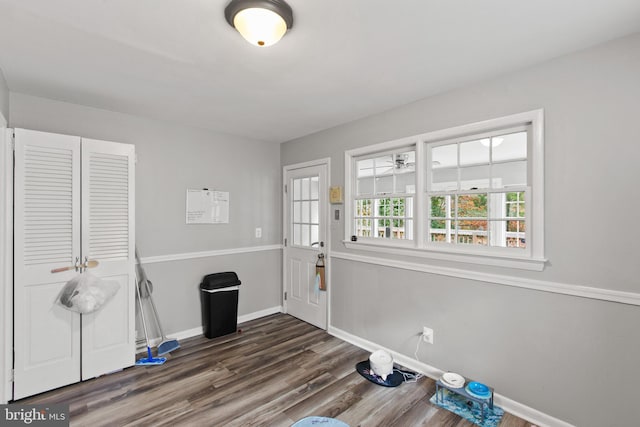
<point>381,363</point>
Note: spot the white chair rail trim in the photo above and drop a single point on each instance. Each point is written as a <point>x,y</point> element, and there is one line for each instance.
<point>623,297</point>
<point>206,254</point>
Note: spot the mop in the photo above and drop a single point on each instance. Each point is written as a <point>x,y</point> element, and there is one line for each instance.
<point>149,360</point>
<point>166,345</point>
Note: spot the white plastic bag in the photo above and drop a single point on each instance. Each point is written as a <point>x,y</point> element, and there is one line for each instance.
<point>86,293</point>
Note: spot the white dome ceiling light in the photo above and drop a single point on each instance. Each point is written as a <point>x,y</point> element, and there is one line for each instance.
<point>261,22</point>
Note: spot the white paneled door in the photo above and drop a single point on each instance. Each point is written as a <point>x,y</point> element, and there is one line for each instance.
<point>306,237</point>
<point>46,236</point>
<point>108,236</point>
<point>73,202</point>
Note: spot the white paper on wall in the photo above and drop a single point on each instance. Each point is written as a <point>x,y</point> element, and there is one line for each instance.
<point>206,206</point>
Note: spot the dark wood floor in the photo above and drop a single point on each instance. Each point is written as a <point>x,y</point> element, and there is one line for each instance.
<point>277,371</point>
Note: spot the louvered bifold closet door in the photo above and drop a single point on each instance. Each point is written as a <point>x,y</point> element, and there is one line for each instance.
<point>46,236</point>
<point>108,236</point>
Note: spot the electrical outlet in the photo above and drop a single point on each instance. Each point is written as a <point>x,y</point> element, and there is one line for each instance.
<point>258,232</point>
<point>427,335</point>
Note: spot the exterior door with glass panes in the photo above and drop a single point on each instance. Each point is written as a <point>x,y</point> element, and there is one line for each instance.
<point>305,218</point>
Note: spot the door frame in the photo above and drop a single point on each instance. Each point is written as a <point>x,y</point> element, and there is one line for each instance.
<point>6,261</point>
<point>324,211</point>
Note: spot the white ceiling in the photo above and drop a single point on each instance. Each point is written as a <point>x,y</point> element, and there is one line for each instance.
<point>179,60</point>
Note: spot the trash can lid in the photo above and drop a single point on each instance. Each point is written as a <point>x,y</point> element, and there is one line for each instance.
<point>219,280</point>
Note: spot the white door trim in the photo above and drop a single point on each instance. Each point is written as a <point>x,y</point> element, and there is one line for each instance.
<point>6,262</point>
<point>325,161</point>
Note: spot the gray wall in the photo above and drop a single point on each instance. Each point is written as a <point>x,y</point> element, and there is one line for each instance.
<point>170,159</point>
<point>4,100</point>
<point>575,359</point>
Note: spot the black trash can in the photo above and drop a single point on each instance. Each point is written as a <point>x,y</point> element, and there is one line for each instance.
<point>219,298</point>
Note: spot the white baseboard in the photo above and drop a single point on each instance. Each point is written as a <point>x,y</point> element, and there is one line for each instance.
<point>194,332</point>
<point>525,412</point>
<point>189,333</point>
<point>258,314</point>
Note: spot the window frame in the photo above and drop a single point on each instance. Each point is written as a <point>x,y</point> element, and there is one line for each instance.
<point>488,190</point>
<point>375,197</point>
<point>531,258</point>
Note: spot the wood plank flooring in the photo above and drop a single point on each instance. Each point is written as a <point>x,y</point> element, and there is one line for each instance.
<point>277,371</point>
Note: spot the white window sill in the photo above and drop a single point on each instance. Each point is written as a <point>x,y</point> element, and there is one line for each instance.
<point>497,260</point>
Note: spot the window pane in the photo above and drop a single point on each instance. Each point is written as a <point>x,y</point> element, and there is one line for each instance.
<point>472,206</point>
<point>509,174</point>
<point>364,168</point>
<point>304,235</point>
<point>439,206</point>
<point>384,185</point>
<point>365,186</point>
<point>384,228</point>
<point>363,207</point>
<point>384,207</point>
<point>514,206</point>
<point>509,147</point>
<point>314,233</point>
<point>314,213</point>
<point>296,234</point>
<point>314,187</point>
<point>437,237</point>
<point>406,183</point>
<point>444,156</point>
<point>398,207</point>
<point>296,211</point>
<point>304,216</point>
<point>397,229</point>
<point>472,232</point>
<point>305,189</point>
<point>444,180</point>
<point>474,177</point>
<point>515,236</point>
<point>474,152</point>
<point>363,228</point>
<point>405,162</point>
<point>439,224</point>
<point>516,226</point>
<point>515,209</point>
<point>296,189</point>
<point>384,165</point>
<point>516,242</point>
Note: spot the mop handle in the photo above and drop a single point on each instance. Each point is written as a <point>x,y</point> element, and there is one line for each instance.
<point>144,323</point>
<point>143,273</point>
<point>155,311</point>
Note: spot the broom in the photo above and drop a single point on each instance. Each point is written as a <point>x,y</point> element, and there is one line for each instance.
<point>166,345</point>
<point>149,360</point>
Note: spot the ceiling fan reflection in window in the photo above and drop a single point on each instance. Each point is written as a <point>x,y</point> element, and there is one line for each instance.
<point>387,164</point>
<point>401,162</point>
<point>405,160</point>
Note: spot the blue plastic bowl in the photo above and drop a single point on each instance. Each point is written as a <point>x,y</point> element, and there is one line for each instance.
<point>478,388</point>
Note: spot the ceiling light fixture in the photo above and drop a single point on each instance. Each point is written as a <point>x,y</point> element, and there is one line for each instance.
<point>260,22</point>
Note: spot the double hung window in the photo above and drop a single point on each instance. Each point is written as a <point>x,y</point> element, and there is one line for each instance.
<point>385,192</point>
<point>477,190</point>
<point>468,193</point>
